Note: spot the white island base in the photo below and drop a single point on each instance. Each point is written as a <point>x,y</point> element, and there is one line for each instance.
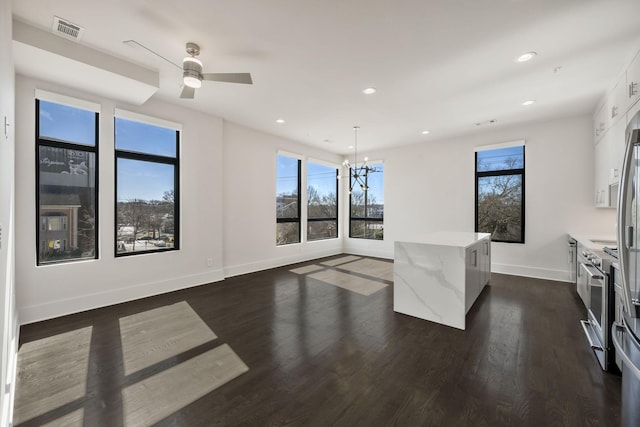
<point>439,276</point>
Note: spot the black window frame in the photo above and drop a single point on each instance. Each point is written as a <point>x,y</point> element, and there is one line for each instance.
<point>298,203</point>
<point>366,219</point>
<point>496,173</point>
<point>66,145</point>
<point>153,158</point>
<point>324,219</point>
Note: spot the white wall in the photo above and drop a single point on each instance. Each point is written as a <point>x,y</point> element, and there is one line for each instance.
<point>8,319</point>
<point>430,187</point>
<point>249,202</point>
<point>54,290</point>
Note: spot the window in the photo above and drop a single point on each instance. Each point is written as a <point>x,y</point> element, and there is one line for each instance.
<point>147,176</point>
<point>322,201</point>
<point>66,179</point>
<point>500,193</point>
<point>287,200</point>
<point>366,219</point>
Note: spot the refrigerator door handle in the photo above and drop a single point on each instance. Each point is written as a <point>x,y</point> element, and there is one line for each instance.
<point>629,238</point>
<point>626,360</point>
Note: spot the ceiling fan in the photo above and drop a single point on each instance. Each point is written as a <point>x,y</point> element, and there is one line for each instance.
<point>192,75</point>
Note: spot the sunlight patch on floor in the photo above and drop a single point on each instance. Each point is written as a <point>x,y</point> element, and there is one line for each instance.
<point>306,269</point>
<point>341,260</point>
<point>166,392</point>
<point>349,282</point>
<point>371,267</point>
<point>155,335</point>
<point>52,373</point>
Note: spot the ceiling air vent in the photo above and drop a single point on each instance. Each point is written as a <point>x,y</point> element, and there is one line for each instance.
<point>64,28</point>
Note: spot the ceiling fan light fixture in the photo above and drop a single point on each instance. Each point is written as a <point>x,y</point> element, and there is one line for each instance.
<point>192,81</point>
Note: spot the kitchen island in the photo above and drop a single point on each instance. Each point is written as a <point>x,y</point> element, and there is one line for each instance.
<point>438,276</point>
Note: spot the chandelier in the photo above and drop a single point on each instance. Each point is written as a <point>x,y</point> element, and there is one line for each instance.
<point>359,174</point>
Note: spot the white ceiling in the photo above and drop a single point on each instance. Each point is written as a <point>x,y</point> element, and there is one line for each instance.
<point>438,65</point>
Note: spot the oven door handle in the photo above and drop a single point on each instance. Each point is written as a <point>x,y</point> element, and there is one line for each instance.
<point>593,272</point>
<point>587,331</point>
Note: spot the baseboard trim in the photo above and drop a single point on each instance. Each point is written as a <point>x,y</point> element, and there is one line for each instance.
<point>12,375</point>
<point>237,270</point>
<point>371,253</point>
<point>50,310</point>
<point>533,272</point>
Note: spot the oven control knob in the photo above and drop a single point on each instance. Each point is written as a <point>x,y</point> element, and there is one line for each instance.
<point>596,262</point>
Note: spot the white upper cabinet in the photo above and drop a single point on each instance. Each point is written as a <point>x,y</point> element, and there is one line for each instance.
<point>600,122</point>
<point>633,82</point>
<point>617,101</point>
<point>616,149</point>
<point>609,125</point>
<point>601,175</point>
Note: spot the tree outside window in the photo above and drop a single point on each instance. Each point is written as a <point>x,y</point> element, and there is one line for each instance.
<point>500,193</point>
<point>322,202</point>
<point>366,213</point>
<point>147,173</point>
<point>287,200</point>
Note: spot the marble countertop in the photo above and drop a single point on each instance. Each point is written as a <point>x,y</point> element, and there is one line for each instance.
<point>595,242</point>
<point>461,239</point>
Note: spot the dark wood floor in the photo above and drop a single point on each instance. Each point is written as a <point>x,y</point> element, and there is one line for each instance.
<point>321,355</point>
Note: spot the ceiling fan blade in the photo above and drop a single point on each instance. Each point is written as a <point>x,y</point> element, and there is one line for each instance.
<point>187,93</point>
<point>137,45</point>
<point>244,78</point>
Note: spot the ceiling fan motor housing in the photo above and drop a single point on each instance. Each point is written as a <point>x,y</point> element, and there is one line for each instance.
<point>192,67</point>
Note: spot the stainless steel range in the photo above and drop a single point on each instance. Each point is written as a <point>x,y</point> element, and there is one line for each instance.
<point>595,287</point>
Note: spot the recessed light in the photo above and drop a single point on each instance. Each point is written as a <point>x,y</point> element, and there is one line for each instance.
<point>369,91</point>
<point>530,102</point>
<point>280,121</point>
<point>350,147</point>
<point>425,132</point>
<point>526,57</point>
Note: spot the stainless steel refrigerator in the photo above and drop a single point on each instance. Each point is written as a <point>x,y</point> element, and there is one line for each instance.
<point>626,336</point>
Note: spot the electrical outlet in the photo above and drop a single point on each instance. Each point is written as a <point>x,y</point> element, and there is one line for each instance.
<point>209,262</point>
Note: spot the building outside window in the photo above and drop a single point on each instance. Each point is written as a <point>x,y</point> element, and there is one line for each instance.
<point>500,192</point>
<point>288,172</point>
<point>66,178</point>
<point>147,184</point>
<point>366,213</point>
<point>322,201</point>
